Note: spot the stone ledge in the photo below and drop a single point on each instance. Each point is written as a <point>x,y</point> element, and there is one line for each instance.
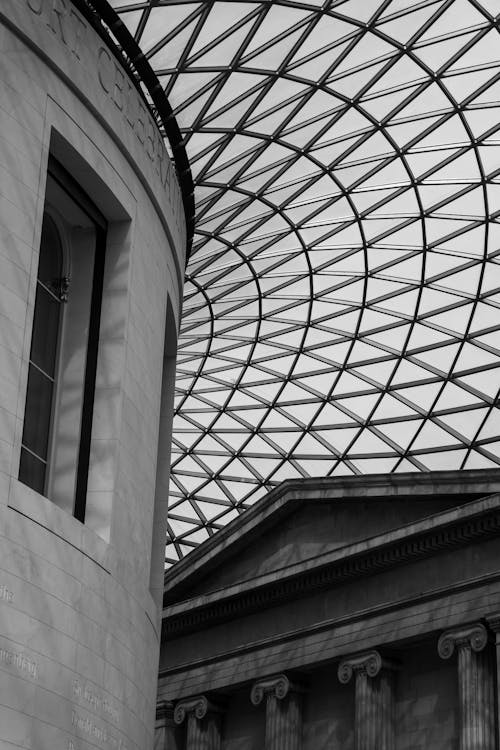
<point>385,626</point>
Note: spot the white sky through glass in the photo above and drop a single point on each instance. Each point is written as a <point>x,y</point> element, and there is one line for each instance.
<point>341,304</point>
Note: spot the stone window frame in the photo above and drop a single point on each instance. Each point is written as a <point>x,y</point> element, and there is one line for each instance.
<point>59,176</point>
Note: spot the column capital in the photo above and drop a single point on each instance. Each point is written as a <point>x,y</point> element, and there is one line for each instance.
<point>473,636</point>
<point>278,684</point>
<point>369,662</point>
<point>164,712</point>
<point>199,705</point>
<point>373,699</point>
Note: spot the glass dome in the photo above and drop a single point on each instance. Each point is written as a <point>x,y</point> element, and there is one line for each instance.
<point>341,301</point>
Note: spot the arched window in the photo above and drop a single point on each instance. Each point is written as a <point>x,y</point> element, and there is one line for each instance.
<point>51,289</point>
<point>55,445</point>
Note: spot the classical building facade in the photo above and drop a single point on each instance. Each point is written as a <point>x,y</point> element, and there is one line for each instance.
<point>92,255</point>
<point>359,614</point>
<point>340,319</point>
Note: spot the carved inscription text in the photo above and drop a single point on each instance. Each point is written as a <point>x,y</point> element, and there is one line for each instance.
<point>71,30</point>
<point>63,21</point>
<point>6,595</point>
<point>98,733</point>
<point>20,661</point>
<point>97,702</point>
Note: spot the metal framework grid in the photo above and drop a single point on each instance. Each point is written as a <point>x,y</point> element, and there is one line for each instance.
<point>341,305</point>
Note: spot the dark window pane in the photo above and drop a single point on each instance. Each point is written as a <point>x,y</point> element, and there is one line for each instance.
<point>56,348</point>
<point>44,345</point>
<point>32,471</point>
<point>45,331</point>
<point>50,261</point>
<point>38,410</point>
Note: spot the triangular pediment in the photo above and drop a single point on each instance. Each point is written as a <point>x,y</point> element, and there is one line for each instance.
<point>302,521</point>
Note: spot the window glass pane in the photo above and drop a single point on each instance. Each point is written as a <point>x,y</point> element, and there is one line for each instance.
<point>65,335</point>
<point>50,262</point>
<point>32,471</point>
<point>38,408</point>
<point>45,331</point>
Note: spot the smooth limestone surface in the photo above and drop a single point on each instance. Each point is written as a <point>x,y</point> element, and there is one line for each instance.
<point>79,626</point>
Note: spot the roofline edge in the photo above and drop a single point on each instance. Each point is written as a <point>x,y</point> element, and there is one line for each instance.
<point>98,11</point>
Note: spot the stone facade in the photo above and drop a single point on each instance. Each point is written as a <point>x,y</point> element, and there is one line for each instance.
<point>385,638</point>
<point>79,615</point>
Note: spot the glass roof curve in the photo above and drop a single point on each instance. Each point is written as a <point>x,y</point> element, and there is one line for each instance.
<point>341,301</point>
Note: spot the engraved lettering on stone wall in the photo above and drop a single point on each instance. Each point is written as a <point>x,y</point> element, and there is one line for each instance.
<point>6,595</point>
<point>97,702</point>
<point>116,86</point>
<point>63,21</point>
<point>20,661</point>
<point>35,5</point>
<point>98,733</point>
<point>71,30</point>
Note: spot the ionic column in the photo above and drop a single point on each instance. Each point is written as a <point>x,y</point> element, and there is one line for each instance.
<point>203,723</point>
<point>166,732</point>
<point>283,711</point>
<point>475,685</point>
<point>374,700</point>
<point>494,623</point>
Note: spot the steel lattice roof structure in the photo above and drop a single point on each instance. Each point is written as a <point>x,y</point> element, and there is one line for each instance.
<point>341,311</point>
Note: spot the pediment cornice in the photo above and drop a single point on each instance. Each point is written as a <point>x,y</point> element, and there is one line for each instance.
<point>449,529</point>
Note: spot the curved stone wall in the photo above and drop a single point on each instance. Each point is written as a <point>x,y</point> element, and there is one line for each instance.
<point>79,626</point>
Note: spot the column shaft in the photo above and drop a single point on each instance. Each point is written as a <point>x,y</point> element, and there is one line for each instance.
<point>476,693</point>
<point>386,710</point>
<point>204,723</point>
<point>494,623</point>
<point>203,734</point>
<point>475,684</point>
<point>283,722</point>
<point>167,734</point>
<point>283,702</point>
<point>214,734</point>
<point>166,739</point>
<point>364,719</point>
<point>374,709</point>
<point>373,699</point>
<point>194,735</point>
